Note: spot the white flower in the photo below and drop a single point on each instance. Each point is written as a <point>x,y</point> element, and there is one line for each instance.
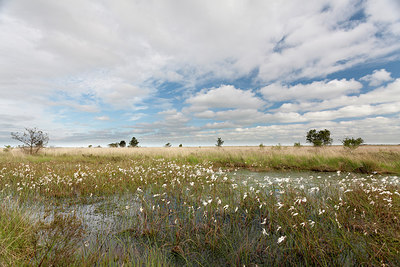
<point>264,232</point>
<point>264,221</point>
<point>281,239</point>
<point>127,207</point>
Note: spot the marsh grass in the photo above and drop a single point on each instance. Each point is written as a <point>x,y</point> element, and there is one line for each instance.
<point>163,207</point>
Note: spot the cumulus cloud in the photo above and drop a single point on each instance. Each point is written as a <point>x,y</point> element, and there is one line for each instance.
<point>99,56</point>
<point>377,77</point>
<point>316,90</point>
<point>102,118</point>
<point>225,96</point>
<point>389,93</point>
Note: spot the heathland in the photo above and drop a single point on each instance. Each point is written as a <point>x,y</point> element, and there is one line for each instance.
<point>201,206</point>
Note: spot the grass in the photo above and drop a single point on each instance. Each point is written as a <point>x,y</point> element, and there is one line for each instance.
<point>183,206</point>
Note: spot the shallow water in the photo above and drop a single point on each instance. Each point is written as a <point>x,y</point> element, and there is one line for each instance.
<point>110,215</point>
<point>303,180</point>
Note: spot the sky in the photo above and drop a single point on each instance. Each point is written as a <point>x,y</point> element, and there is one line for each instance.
<point>95,72</point>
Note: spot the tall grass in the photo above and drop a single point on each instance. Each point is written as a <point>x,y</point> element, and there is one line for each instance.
<point>186,209</point>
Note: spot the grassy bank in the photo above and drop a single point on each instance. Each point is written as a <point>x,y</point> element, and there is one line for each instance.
<point>181,207</point>
<point>365,159</point>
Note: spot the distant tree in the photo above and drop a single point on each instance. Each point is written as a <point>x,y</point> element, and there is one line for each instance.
<point>352,143</point>
<point>122,143</point>
<point>134,142</point>
<point>320,138</point>
<point>113,145</point>
<point>7,148</point>
<point>219,142</point>
<point>168,145</point>
<point>180,145</point>
<point>261,145</point>
<point>32,139</point>
<point>90,146</point>
<point>297,144</point>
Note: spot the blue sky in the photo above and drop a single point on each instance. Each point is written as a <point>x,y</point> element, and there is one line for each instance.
<point>188,72</point>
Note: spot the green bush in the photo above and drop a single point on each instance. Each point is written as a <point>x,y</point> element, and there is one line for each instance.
<point>352,143</point>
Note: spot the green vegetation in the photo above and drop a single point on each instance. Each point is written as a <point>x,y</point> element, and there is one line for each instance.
<point>157,207</point>
<point>297,144</point>
<point>320,138</point>
<point>219,142</point>
<point>352,143</point>
<point>134,142</point>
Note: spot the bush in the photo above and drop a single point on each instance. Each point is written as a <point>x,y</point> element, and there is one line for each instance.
<point>7,148</point>
<point>113,145</point>
<point>297,144</point>
<point>168,145</point>
<point>352,143</point>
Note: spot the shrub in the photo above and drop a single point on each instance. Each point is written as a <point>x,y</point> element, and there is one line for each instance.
<point>168,145</point>
<point>352,143</point>
<point>113,145</point>
<point>7,148</point>
<point>297,144</point>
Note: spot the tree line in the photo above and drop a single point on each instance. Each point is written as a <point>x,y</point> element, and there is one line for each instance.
<point>34,139</point>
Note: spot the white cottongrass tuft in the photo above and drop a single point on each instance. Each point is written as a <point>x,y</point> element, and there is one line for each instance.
<point>281,239</point>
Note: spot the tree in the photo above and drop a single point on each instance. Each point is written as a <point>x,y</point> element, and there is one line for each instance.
<point>320,138</point>
<point>219,142</point>
<point>180,145</point>
<point>352,143</point>
<point>168,145</point>
<point>134,142</point>
<point>122,143</point>
<point>32,139</point>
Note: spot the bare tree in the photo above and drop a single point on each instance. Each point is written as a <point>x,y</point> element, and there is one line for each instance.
<point>33,139</point>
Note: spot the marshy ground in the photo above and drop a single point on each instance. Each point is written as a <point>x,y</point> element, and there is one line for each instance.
<point>201,206</point>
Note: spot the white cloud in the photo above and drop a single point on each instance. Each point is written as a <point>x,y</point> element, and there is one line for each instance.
<point>389,93</point>
<point>117,55</point>
<point>102,118</point>
<point>316,90</point>
<point>377,77</point>
<point>225,96</point>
